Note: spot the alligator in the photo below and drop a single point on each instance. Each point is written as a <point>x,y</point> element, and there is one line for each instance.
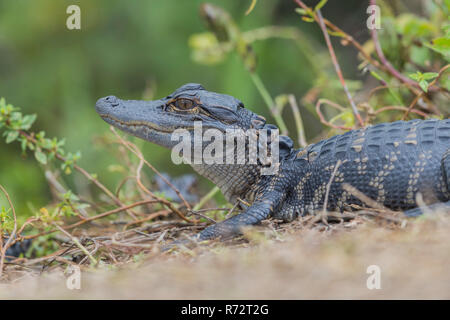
<point>18,248</point>
<point>402,165</point>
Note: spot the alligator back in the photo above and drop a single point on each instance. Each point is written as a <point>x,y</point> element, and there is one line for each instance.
<point>389,162</point>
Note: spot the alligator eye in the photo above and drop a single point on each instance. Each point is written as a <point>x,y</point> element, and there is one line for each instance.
<point>184,104</point>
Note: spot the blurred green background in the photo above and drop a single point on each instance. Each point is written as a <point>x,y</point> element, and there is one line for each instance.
<point>135,50</point>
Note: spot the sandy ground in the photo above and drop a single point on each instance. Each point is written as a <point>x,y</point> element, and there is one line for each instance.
<point>293,263</point>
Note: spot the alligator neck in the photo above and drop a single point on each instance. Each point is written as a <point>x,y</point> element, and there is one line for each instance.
<point>236,180</point>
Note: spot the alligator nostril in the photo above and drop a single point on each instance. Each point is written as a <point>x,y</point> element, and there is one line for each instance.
<point>112,100</point>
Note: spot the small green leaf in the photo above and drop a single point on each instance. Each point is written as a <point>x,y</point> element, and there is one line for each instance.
<point>335,33</point>
<point>424,85</point>
<point>23,145</point>
<point>429,75</point>
<point>12,136</point>
<point>301,11</point>
<point>441,45</point>
<point>46,143</point>
<point>349,118</point>
<point>40,135</point>
<point>320,5</point>
<point>416,76</point>
<point>28,121</point>
<point>40,156</point>
<point>206,49</point>
<point>307,19</point>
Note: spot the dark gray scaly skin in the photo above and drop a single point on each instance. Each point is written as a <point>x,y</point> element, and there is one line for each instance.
<point>388,162</point>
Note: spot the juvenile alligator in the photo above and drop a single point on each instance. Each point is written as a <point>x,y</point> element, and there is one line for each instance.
<point>389,162</point>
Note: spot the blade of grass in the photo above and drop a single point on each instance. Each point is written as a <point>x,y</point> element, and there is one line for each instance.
<point>269,102</point>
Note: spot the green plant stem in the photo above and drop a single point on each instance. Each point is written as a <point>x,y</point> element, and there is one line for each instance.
<point>298,121</point>
<point>78,244</point>
<point>83,172</point>
<point>11,237</point>
<point>205,199</point>
<point>269,102</point>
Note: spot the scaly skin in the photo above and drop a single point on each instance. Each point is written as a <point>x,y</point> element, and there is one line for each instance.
<point>390,162</point>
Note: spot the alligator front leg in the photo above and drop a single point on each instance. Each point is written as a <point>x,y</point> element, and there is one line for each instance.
<point>260,210</point>
<point>233,226</point>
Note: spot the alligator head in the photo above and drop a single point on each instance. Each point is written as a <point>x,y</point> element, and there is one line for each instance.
<point>157,120</point>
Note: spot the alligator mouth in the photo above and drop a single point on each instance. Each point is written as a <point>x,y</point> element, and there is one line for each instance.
<point>135,124</point>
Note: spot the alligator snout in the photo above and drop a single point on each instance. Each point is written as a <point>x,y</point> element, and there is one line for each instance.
<point>111,99</point>
<point>104,105</point>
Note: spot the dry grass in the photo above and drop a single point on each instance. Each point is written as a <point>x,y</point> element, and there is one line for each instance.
<point>303,259</point>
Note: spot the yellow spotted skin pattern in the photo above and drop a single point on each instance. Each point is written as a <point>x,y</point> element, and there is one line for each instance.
<point>390,163</point>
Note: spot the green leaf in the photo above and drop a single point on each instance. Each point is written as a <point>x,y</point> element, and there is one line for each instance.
<point>416,76</point>
<point>412,27</point>
<point>320,5</point>
<point>307,19</point>
<point>40,156</point>
<point>441,45</point>
<point>424,85</point>
<point>206,49</point>
<point>46,143</point>
<point>23,145</point>
<point>61,142</point>
<point>40,135</point>
<point>28,121</point>
<point>12,136</point>
<point>429,75</point>
<point>349,118</point>
<point>336,33</point>
<point>301,11</point>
